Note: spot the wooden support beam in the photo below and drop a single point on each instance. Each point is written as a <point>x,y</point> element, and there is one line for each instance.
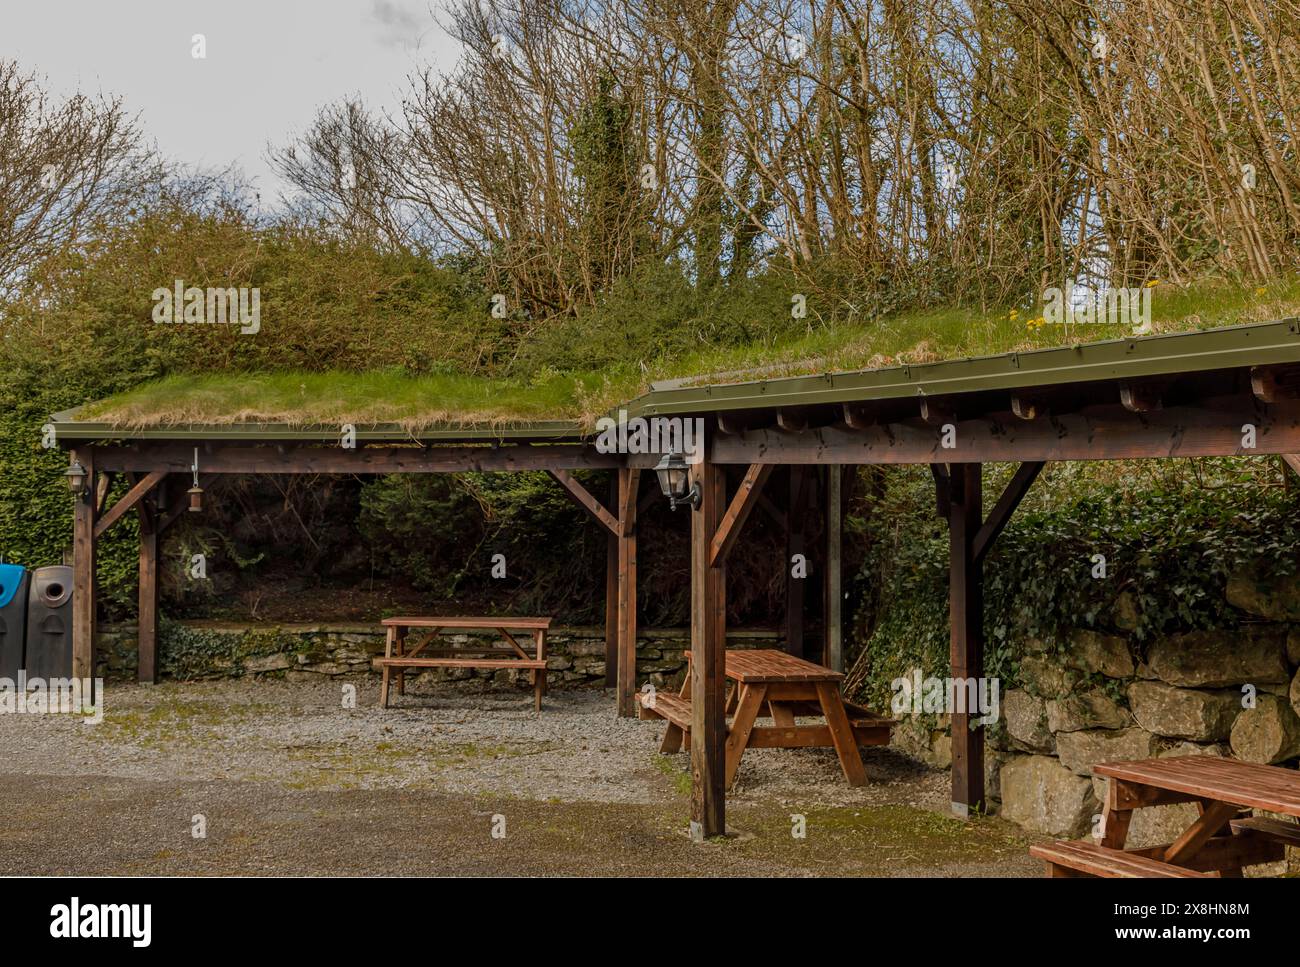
<point>128,500</point>
<point>942,489</point>
<point>936,411</point>
<point>583,498</point>
<point>708,654</point>
<point>102,483</point>
<point>1140,396</point>
<point>791,420</point>
<point>83,571</point>
<point>742,504</point>
<point>1028,407</point>
<point>628,482</point>
<point>738,421</point>
<point>1211,428</point>
<point>794,545</point>
<point>147,616</point>
<point>966,622</point>
<point>858,417</point>
<point>834,559</point>
<point>611,593</point>
<point>1292,460</point>
<point>1273,383</point>
<point>1001,513</point>
<point>370,460</point>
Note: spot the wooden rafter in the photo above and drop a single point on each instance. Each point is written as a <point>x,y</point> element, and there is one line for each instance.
<point>1212,427</point>
<point>128,500</point>
<point>1001,513</point>
<point>375,459</point>
<point>1273,383</point>
<point>1028,407</point>
<point>1140,396</point>
<point>742,504</point>
<point>583,498</point>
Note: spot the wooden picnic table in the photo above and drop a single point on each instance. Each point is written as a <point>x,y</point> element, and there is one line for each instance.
<point>774,684</point>
<point>397,658</point>
<point>1224,837</point>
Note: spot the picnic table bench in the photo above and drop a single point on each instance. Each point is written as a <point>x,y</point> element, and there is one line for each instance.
<point>771,683</point>
<point>1223,839</point>
<point>397,658</point>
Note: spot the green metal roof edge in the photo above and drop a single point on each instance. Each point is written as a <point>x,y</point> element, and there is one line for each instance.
<point>1227,347</point>
<point>68,428</point>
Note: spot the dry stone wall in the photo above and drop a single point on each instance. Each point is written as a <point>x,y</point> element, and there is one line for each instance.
<point>1104,696</point>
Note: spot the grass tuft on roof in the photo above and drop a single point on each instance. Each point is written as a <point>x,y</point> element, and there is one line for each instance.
<point>299,398</point>
<point>422,402</point>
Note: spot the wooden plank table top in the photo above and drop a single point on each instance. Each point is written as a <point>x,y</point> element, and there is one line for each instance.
<point>752,666</point>
<point>397,658</point>
<point>773,683</point>
<point>529,624</point>
<point>1244,784</point>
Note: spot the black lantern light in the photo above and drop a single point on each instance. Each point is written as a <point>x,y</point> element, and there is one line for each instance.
<point>675,481</point>
<point>76,476</point>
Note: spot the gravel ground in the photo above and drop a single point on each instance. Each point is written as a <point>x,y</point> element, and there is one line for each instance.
<point>291,781</point>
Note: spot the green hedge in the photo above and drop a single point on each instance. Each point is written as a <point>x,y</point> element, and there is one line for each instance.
<point>1169,547</point>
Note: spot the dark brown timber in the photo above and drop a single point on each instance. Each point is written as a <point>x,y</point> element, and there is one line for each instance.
<point>83,571</point>
<point>1001,513</point>
<point>147,630</point>
<point>374,459</point>
<point>628,483</point>
<point>128,500</point>
<point>581,496</point>
<point>611,593</point>
<point>742,504</point>
<point>966,621</point>
<point>708,648</point>
<point>1104,432</point>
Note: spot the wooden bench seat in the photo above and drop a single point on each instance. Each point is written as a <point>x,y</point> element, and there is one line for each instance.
<point>1274,829</point>
<point>433,662</point>
<point>398,657</point>
<point>1081,857</point>
<point>868,728</point>
<point>674,708</point>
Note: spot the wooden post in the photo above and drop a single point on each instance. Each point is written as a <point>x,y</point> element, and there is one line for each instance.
<point>628,480</point>
<point>611,593</point>
<point>966,618</point>
<point>83,571</point>
<point>834,583</point>
<point>147,634</point>
<point>794,544</point>
<point>708,654</point>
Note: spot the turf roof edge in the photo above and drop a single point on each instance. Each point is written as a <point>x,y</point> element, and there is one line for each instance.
<point>1228,347</point>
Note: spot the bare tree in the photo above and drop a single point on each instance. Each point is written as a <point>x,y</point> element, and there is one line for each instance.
<point>64,167</point>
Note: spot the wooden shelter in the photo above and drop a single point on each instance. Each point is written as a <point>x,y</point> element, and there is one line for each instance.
<point>1233,391</point>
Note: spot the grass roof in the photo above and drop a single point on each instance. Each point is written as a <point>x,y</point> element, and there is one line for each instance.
<point>416,403</point>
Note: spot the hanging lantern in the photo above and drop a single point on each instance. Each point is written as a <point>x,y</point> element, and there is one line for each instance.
<point>196,492</point>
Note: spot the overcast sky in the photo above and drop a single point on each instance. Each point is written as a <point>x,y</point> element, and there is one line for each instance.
<point>269,64</point>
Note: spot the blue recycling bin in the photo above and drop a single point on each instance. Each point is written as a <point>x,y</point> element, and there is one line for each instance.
<point>49,623</point>
<point>13,619</point>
